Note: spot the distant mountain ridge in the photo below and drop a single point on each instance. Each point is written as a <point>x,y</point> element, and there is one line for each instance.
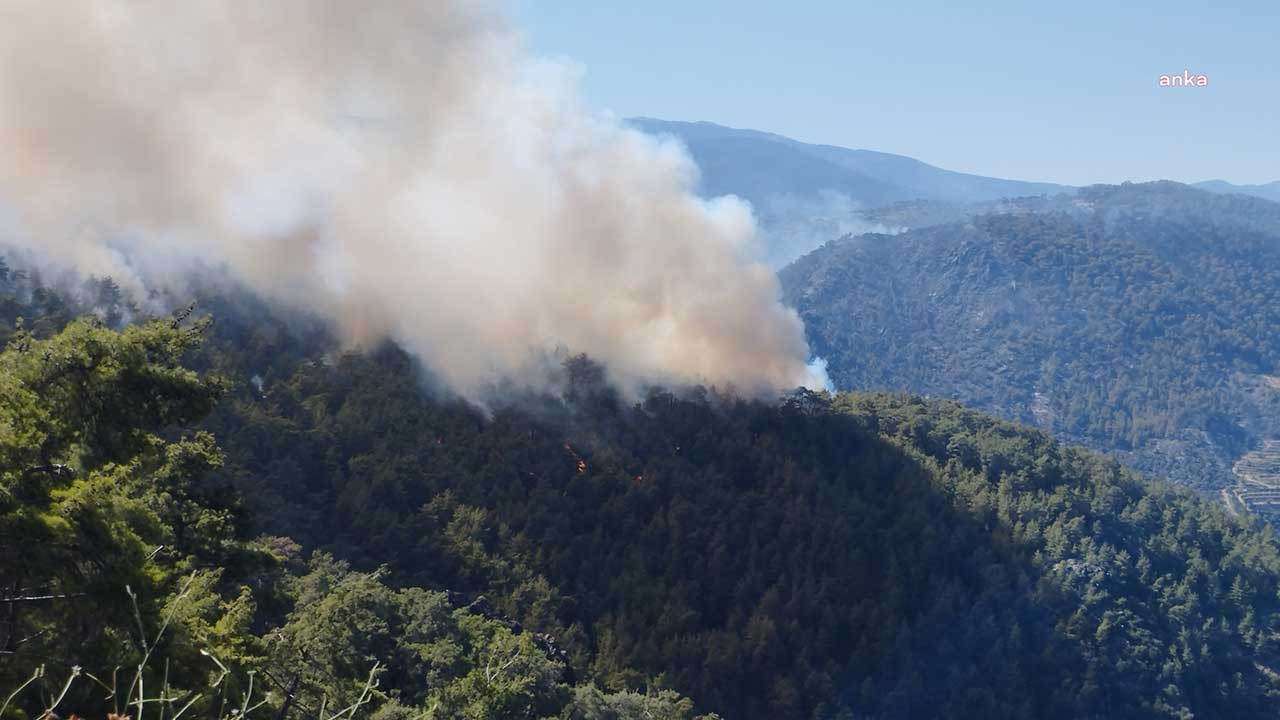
<point>873,178</point>
<point>1268,191</point>
<point>805,194</point>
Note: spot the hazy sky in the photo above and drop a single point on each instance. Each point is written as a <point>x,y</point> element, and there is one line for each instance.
<point>1055,91</point>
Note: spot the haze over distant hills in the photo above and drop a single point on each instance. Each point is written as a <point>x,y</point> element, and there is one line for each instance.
<point>807,194</point>
<point>1269,191</point>
<point>730,161</point>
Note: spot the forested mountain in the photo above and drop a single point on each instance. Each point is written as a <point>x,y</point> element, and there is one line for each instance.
<point>135,582</point>
<point>578,554</point>
<point>1143,319</point>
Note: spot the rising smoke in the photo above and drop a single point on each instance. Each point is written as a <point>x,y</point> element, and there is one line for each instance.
<point>401,167</point>
<point>795,225</point>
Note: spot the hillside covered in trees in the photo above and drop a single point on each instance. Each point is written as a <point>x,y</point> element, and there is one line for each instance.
<point>321,534</point>
<point>1139,319</point>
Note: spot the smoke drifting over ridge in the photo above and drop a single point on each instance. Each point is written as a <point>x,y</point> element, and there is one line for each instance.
<point>401,167</point>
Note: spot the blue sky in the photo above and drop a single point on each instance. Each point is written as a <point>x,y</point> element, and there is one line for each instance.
<point>1055,91</point>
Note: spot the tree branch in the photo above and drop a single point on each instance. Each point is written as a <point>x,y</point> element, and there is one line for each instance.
<point>41,598</point>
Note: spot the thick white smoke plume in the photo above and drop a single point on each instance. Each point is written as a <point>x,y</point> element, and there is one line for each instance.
<point>401,166</point>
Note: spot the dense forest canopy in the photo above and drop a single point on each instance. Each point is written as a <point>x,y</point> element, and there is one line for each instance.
<point>275,512</point>
<point>132,581</point>
<point>1141,319</point>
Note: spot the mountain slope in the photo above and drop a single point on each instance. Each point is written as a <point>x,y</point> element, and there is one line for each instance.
<point>573,555</point>
<point>1140,318</point>
<point>894,557</point>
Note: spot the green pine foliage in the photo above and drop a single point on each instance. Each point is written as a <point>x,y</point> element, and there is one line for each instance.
<point>875,555</point>
<point>337,540</point>
<point>132,582</point>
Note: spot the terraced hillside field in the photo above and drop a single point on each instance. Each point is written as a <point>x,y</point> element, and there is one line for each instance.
<point>1258,488</point>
